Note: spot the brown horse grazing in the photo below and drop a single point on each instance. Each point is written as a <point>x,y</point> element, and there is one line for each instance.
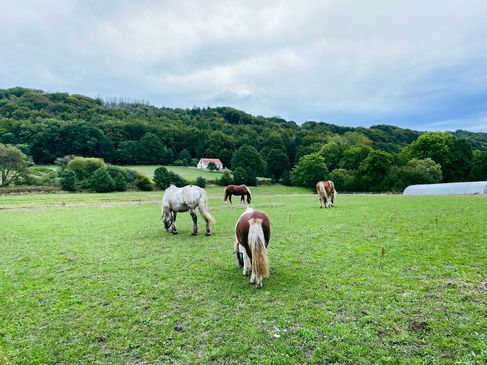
<point>240,190</point>
<point>252,234</point>
<point>326,193</point>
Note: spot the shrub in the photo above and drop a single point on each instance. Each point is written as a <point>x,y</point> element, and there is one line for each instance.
<point>163,178</point>
<point>101,181</point>
<point>225,179</point>
<point>201,182</point>
<point>41,176</point>
<point>67,180</point>
<point>130,177</point>
<point>175,179</point>
<point>160,178</point>
<point>144,183</point>
<point>119,178</point>
<point>85,167</point>
<point>120,184</point>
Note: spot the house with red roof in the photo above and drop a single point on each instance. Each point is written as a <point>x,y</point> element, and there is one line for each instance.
<point>203,163</point>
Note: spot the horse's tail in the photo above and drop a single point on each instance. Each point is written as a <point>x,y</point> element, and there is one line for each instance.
<point>256,239</point>
<point>321,188</point>
<point>206,214</point>
<point>225,194</point>
<point>204,210</point>
<point>249,197</point>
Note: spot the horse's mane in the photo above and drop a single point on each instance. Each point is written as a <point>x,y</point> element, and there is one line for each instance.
<point>250,193</point>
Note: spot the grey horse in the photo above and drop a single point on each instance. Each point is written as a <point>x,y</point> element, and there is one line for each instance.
<point>183,199</point>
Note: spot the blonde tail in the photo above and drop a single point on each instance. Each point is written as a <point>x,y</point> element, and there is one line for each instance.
<point>206,214</point>
<point>203,206</point>
<point>322,189</point>
<point>260,261</point>
<point>323,194</point>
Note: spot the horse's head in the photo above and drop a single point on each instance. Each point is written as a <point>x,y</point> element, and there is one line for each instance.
<point>167,217</point>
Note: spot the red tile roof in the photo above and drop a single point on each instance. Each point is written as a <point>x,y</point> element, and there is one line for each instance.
<point>216,161</point>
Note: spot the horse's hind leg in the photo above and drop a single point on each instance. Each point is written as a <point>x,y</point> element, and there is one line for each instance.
<point>247,267</point>
<point>238,251</point>
<point>195,222</point>
<point>321,201</point>
<point>208,227</point>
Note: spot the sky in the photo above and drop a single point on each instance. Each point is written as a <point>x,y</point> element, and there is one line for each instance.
<point>415,64</point>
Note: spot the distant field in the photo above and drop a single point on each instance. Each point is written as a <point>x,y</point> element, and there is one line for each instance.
<point>386,279</point>
<point>188,173</point>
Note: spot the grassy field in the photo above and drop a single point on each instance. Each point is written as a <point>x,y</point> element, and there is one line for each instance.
<point>379,279</point>
<point>188,173</point>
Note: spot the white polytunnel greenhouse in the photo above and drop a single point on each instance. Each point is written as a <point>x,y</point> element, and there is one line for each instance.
<point>461,188</point>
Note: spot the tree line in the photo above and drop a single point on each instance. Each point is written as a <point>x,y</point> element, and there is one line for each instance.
<point>46,126</point>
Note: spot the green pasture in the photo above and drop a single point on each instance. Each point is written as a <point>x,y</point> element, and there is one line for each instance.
<point>379,279</point>
<point>188,173</point>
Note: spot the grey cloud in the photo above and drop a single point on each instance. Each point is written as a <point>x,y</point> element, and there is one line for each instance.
<point>343,62</point>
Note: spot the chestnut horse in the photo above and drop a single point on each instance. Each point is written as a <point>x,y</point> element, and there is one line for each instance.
<point>183,199</point>
<point>252,234</point>
<point>241,190</point>
<point>326,193</point>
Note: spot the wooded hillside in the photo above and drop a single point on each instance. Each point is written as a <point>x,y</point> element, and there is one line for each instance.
<point>46,126</point>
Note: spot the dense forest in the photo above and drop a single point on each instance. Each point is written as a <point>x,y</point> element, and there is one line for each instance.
<point>46,126</point>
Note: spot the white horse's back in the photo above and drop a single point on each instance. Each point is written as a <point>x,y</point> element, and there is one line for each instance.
<point>183,199</point>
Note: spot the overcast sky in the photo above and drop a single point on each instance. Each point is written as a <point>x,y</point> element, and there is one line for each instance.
<point>416,64</point>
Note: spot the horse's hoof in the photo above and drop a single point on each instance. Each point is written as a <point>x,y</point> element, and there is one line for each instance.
<point>174,232</point>
<point>194,233</point>
<point>208,234</point>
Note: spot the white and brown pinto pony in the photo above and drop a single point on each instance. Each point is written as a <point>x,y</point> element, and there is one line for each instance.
<point>252,234</point>
<point>326,193</point>
<point>177,200</point>
<point>241,190</point>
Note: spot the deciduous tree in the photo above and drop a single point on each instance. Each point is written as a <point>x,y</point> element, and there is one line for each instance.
<point>13,164</point>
